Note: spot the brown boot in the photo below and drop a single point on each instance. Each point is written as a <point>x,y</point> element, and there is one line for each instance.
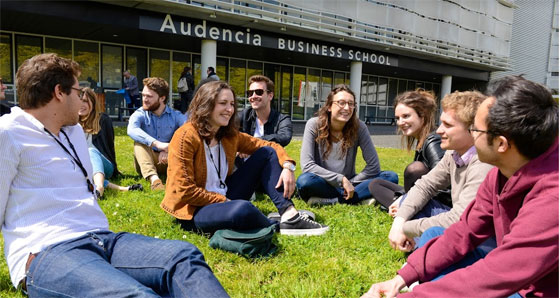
<point>158,185</point>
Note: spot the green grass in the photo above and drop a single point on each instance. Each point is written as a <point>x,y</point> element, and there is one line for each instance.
<point>342,263</point>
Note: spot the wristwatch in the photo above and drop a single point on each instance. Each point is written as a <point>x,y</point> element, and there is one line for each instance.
<point>289,166</point>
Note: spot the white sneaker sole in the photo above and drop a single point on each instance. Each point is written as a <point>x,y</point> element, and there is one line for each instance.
<point>304,232</point>
<point>367,202</point>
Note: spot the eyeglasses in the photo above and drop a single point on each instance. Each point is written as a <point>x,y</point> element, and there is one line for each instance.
<point>472,129</point>
<point>80,92</point>
<point>259,92</point>
<point>343,103</point>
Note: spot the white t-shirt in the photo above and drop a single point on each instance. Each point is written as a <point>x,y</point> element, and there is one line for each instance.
<point>44,198</point>
<point>259,129</point>
<point>216,159</point>
<point>335,160</point>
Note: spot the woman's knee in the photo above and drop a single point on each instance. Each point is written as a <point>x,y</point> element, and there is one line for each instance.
<point>415,169</point>
<point>304,180</point>
<point>241,210</point>
<point>389,176</point>
<point>265,152</point>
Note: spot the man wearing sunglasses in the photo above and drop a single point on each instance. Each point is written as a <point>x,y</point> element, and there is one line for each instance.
<point>4,106</point>
<point>57,240</point>
<point>516,130</point>
<point>260,120</point>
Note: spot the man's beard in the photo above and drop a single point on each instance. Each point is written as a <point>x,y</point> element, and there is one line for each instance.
<point>153,106</point>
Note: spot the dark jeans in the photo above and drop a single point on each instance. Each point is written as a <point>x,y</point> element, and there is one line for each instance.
<point>311,185</point>
<point>261,169</point>
<point>472,257</point>
<point>106,264</point>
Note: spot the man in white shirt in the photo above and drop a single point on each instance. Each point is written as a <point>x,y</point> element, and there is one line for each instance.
<point>56,238</point>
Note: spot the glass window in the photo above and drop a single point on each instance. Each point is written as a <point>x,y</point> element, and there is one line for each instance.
<point>27,47</point>
<point>136,63</point>
<point>428,86</point>
<point>326,84</point>
<point>298,97</point>
<point>222,68</point>
<point>111,66</point>
<point>402,86</point>
<point>180,61</point>
<point>62,47</point>
<point>6,58</point>
<point>196,69</point>
<point>411,85</point>
<point>372,91</point>
<point>254,68</point>
<point>382,92</point>
<point>312,96</point>
<point>285,88</point>
<point>363,95</point>
<point>159,64</point>
<point>237,78</point>
<point>339,78</point>
<point>393,85</point>
<point>87,55</point>
<point>273,71</point>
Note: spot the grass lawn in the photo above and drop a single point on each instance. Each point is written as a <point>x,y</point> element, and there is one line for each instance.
<point>344,262</point>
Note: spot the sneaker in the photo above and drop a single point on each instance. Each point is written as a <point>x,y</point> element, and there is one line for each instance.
<point>158,185</point>
<point>317,201</point>
<point>367,202</point>
<point>276,216</point>
<point>138,187</point>
<point>302,225</point>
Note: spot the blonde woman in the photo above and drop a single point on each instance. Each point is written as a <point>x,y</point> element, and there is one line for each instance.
<point>99,132</point>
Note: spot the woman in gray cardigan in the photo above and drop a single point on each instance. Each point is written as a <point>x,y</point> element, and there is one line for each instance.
<point>328,154</point>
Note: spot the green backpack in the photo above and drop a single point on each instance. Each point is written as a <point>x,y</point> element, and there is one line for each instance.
<point>248,243</point>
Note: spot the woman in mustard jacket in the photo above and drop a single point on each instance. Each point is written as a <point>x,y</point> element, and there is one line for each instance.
<point>205,193</point>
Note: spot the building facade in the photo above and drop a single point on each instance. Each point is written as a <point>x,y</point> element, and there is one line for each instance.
<point>379,48</point>
<point>534,43</point>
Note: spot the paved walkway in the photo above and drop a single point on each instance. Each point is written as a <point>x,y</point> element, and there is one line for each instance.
<point>381,135</point>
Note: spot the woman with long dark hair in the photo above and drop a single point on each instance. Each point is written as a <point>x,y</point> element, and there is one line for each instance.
<point>415,112</point>
<point>96,126</point>
<point>328,154</point>
<point>205,193</point>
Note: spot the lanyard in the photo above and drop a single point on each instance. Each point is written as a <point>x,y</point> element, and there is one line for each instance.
<point>76,158</point>
<point>219,167</point>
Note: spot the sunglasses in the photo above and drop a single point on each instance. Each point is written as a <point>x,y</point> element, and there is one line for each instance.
<point>259,92</point>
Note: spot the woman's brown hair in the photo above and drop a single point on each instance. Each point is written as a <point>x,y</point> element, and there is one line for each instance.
<point>90,122</point>
<point>202,107</point>
<point>349,131</point>
<point>424,104</point>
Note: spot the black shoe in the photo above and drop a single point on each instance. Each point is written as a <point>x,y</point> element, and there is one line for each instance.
<point>138,187</point>
<point>276,216</point>
<point>302,225</point>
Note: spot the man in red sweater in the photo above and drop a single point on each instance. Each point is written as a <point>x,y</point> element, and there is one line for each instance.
<point>515,129</point>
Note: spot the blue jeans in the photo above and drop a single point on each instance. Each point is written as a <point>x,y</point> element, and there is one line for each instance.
<point>107,264</point>
<point>101,164</point>
<point>472,257</point>
<point>311,185</point>
<point>262,169</point>
<point>432,208</point>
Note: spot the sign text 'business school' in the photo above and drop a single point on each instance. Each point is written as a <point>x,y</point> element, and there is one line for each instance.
<point>245,36</point>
